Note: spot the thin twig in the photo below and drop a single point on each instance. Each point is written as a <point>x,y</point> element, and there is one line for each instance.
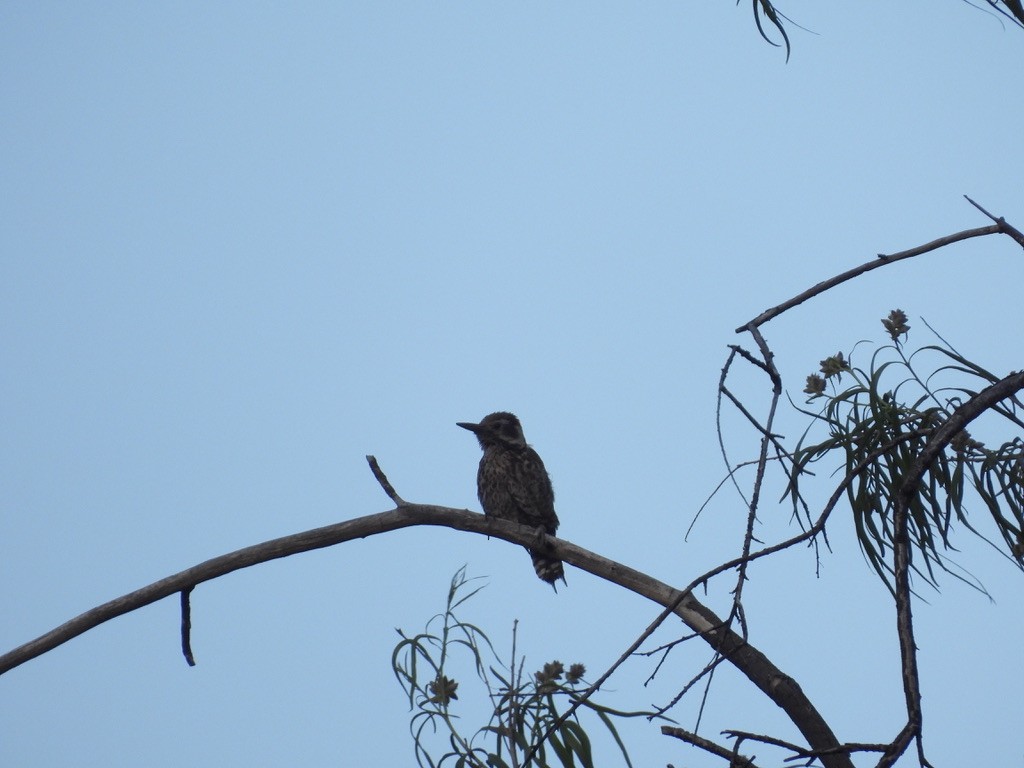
<point>749,357</point>
<point>816,528</point>
<point>799,753</point>
<point>384,483</point>
<point>596,685</point>
<point>750,417</point>
<point>767,438</point>
<point>709,746</point>
<point>881,261</point>
<point>186,625</point>
<point>721,484</point>
<point>708,671</point>
<point>742,736</point>
<point>736,350</point>
<point>1006,229</point>
<point>766,363</point>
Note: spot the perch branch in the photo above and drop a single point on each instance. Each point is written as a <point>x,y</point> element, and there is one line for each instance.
<point>778,686</point>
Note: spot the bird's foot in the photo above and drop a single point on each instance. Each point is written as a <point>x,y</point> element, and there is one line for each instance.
<point>542,540</point>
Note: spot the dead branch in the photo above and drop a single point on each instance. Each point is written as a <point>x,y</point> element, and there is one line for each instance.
<point>778,686</point>
<point>734,758</point>
<point>382,479</point>
<point>800,752</point>
<point>881,261</point>
<point>1004,228</point>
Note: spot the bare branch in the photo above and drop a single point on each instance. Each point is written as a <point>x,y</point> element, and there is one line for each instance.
<point>800,752</point>
<point>709,746</point>
<point>243,558</point>
<point>742,736</point>
<point>1005,228</point>
<point>881,261</point>
<point>186,626</point>
<point>389,489</point>
<point>1000,227</point>
<point>778,686</point>
<point>767,438</point>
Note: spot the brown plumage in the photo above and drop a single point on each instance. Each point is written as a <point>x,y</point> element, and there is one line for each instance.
<point>513,485</point>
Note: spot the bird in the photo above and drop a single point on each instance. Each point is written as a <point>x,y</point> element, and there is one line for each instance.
<point>513,484</point>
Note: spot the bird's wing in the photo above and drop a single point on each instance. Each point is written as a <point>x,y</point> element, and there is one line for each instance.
<point>533,494</point>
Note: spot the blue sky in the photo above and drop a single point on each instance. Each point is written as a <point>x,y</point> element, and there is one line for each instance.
<point>243,245</point>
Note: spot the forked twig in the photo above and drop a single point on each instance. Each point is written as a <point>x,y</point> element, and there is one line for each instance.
<point>1005,228</point>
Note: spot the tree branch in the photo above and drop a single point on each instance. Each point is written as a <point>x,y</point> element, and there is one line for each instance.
<point>735,760</point>
<point>850,274</point>
<point>382,479</point>
<point>778,686</point>
<point>1000,227</point>
<point>958,420</point>
<point>1004,228</point>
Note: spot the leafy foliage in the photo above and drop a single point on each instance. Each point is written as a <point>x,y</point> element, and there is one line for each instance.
<point>524,727</point>
<point>770,12</point>
<point>1013,10</point>
<point>879,419</point>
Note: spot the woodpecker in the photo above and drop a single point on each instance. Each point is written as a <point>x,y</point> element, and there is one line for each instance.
<point>513,485</point>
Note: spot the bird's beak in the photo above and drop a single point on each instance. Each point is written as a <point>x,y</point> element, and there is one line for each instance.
<point>474,428</point>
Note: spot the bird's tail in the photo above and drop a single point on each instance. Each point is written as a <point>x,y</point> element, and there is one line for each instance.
<point>547,568</point>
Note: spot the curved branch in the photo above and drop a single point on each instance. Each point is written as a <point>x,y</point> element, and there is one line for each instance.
<point>778,686</point>
<point>850,274</point>
<point>285,546</point>
<point>1000,227</point>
